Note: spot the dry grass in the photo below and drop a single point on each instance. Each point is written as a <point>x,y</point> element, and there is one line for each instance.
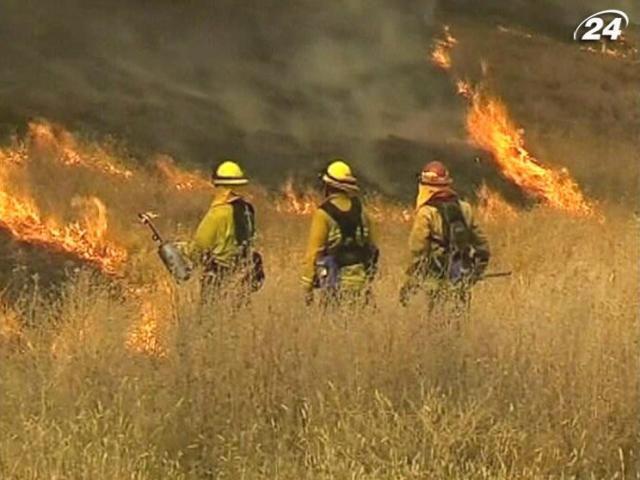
<point>541,383</point>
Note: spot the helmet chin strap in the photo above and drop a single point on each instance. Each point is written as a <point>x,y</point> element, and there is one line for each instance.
<point>328,190</point>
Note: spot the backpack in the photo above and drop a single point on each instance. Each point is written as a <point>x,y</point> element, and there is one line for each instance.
<point>457,242</point>
<point>244,224</point>
<point>354,247</point>
<point>245,231</point>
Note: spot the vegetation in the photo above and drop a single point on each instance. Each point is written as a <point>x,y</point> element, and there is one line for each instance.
<point>128,377</point>
<point>542,382</point>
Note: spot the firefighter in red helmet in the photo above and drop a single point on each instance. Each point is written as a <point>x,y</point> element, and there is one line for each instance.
<point>449,250</point>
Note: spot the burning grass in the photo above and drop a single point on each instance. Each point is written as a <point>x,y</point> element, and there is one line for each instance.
<point>491,128</point>
<point>541,382</point>
<point>442,47</point>
<point>65,148</point>
<point>528,389</point>
<point>180,179</point>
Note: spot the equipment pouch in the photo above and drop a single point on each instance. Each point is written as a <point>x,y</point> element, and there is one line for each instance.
<point>327,273</point>
<point>459,269</point>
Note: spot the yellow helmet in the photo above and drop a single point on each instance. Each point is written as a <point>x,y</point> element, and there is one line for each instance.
<point>229,173</point>
<point>339,175</point>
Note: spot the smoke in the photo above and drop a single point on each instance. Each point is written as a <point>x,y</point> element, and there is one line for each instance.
<point>281,85</point>
<point>557,18</point>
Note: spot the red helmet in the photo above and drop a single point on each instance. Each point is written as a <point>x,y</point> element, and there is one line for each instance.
<point>436,174</point>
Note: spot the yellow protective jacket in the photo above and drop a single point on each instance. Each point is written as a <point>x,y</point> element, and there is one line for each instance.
<point>429,224</point>
<point>215,236</point>
<point>325,234</point>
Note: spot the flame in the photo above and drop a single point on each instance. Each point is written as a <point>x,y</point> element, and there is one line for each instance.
<point>84,239</point>
<point>465,89</point>
<point>147,335</point>
<point>491,128</point>
<point>293,203</point>
<point>178,178</point>
<point>15,156</point>
<point>441,53</point>
<point>65,147</point>
<point>304,204</point>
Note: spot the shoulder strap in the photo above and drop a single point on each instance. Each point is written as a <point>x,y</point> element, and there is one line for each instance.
<point>348,222</point>
<point>451,212</point>
<point>244,221</point>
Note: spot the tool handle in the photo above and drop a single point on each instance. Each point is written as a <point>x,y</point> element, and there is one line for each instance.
<point>146,220</point>
<point>496,274</point>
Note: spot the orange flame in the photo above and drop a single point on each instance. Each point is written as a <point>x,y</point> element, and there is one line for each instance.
<point>147,335</point>
<point>178,178</point>
<point>65,147</point>
<point>84,239</point>
<point>20,215</point>
<point>293,203</point>
<point>304,204</point>
<point>441,53</point>
<point>16,156</point>
<point>490,128</point>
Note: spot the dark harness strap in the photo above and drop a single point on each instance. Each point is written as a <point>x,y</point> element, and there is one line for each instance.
<point>450,212</point>
<point>349,222</point>
<point>244,221</point>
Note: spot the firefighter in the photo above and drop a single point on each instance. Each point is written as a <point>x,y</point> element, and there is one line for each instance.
<point>449,251</point>
<point>341,255</point>
<point>223,244</point>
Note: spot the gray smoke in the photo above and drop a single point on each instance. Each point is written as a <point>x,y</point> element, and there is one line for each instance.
<point>554,17</point>
<point>281,85</point>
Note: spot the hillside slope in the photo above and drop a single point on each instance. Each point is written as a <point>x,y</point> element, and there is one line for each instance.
<point>286,87</point>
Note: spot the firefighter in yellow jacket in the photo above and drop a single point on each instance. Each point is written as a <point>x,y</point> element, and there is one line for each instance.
<point>223,244</point>
<point>449,250</point>
<point>341,254</point>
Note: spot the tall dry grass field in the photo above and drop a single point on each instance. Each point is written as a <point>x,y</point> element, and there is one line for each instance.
<point>541,382</point>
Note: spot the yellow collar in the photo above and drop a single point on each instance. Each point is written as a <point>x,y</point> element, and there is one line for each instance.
<point>223,196</point>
